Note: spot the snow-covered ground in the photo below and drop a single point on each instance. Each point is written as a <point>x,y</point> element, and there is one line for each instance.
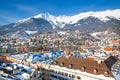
<point>31,32</point>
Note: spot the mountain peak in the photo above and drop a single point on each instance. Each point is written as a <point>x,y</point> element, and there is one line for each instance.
<point>50,18</point>
<point>102,15</point>
<point>43,15</point>
<point>108,18</point>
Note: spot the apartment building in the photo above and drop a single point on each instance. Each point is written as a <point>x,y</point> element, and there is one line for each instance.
<point>72,68</point>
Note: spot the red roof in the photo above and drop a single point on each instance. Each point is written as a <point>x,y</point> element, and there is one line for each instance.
<point>108,49</point>
<point>88,63</point>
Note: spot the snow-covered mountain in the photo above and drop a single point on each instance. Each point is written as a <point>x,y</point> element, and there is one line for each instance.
<point>102,15</point>
<point>50,18</point>
<point>46,21</point>
<point>62,20</point>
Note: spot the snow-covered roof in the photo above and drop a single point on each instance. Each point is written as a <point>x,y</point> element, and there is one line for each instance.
<point>18,74</point>
<point>63,19</point>
<point>19,56</point>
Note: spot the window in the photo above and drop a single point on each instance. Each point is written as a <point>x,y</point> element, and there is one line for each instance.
<point>51,70</point>
<point>70,75</point>
<point>14,66</point>
<point>83,68</point>
<point>106,73</point>
<point>62,73</point>
<point>95,71</point>
<point>66,74</point>
<point>58,72</point>
<point>73,76</point>
<point>70,66</point>
<point>53,76</point>
<point>62,64</point>
<point>4,64</point>
<point>30,76</point>
<point>55,62</point>
<point>78,77</point>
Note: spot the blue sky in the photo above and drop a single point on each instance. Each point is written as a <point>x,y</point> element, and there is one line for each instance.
<point>14,10</point>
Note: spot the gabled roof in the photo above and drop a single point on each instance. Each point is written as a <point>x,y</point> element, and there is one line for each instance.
<point>108,49</point>
<point>89,65</point>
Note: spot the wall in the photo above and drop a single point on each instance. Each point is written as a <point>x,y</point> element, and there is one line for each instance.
<point>76,74</point>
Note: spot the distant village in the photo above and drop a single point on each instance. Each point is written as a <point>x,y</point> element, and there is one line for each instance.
<point>61,55</point>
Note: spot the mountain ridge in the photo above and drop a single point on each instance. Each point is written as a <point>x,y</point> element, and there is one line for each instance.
<point>87,20</point>
<point>58,20</point>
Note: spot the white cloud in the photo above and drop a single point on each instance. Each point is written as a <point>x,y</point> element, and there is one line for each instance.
<point>28,9</point>
<point>7,19</point>
<point>8,16</point>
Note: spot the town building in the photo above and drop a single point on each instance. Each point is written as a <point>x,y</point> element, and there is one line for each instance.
<point>72,68</point>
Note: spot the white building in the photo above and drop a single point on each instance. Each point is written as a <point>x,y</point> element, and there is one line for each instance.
<point>82,69</point>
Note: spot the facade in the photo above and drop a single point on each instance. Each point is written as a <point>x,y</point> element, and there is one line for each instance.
<point>45,72</point>
<point>60,66</point>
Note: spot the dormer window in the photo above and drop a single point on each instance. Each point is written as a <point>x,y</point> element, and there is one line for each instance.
<point>70,55</point>
<point>19,70</point>
<point>71,65</point>
<point>4,64</point>
<point>83,68</point>
<point>106,73</point>
<point>61,64</point>
<point>95,71</point>
<point>55,62</point>
<point>14,67</point>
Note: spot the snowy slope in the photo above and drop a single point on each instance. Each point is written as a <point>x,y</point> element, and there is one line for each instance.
<point>102,15</point>
<point>50,18</point>
<point>31,32</point>
<point>60,21</point>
